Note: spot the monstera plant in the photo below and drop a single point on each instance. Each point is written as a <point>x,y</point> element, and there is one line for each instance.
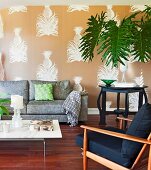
<point>115,42</point>
<point>3,109</point>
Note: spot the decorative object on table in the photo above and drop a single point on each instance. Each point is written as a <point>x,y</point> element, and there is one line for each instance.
<point>41,125</point>
<point>1,68</point>
<point>17,104</point>
<point>124,84</point>
<point>6,127</point>
<point>47,71</point>
<point>109,38</point>
<point>1,27</point>
<point>19,8</point>
<point>108,82</point>
<point>73,8</point>
<point>107,73</point>
<point>73,50</point>
<point>77,86</point>
<point>140,80</point>
<point>18,48</point>
<point>47,23</point>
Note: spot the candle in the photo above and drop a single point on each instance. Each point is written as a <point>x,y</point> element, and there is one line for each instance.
<point>17,101</point>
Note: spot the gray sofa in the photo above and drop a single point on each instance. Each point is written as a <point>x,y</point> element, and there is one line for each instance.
<point>42,109</point>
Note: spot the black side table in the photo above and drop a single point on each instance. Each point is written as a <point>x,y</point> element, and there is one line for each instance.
<point>118,90</point>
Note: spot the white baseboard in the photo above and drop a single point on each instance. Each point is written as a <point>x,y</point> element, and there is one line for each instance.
<point>95,111</point>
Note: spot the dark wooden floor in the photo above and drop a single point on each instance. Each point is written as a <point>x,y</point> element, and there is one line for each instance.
<point>62,154</point>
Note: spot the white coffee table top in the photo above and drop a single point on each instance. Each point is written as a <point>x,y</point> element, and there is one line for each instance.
<point>25,133</point>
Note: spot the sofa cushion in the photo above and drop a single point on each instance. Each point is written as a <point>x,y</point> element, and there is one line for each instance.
<point>43,92</point>
<point>60,91</point>
<point>45,107</point>
<point>106,146</point>
<point>15,88</point>
<point>140,127</point>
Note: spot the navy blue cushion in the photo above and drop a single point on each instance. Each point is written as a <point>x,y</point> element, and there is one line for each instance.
<point>140,127</point>
<point>106,146</point>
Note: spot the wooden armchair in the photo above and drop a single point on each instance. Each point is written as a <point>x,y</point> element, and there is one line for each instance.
<point>114,148</point>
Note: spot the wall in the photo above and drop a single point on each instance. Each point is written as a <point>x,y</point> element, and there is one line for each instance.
<point>58,45</point>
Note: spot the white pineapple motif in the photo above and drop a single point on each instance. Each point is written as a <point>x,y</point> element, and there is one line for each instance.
<point>107,72</point>
<point>18,48</point>
<point>1,68</point>
<point>73,51</point>
<point>47,23</point>
<point>1,28</point>
<point>18,78</point>
<point>77,86</point>
<point>73,8</point>
<point>140,80</point>
<point>47,71</point>
<point>111,15</point>
<point>123,69</point>
<point>19,8</point>
<point>135,8</point>
<point>133,101</point>
<point>134,97</point>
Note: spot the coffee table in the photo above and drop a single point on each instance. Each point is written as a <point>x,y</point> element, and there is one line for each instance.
<point>24,134</point>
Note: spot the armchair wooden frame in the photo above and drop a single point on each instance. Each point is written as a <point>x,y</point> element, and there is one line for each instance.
<point>112,165</point>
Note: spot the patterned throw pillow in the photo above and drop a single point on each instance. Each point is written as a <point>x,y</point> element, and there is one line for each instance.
<point>43,92</point>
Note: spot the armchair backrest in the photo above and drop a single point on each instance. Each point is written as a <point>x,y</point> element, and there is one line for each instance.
<point>140,127</point>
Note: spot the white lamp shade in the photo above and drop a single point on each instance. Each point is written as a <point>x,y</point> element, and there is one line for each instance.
<point>17,101</point>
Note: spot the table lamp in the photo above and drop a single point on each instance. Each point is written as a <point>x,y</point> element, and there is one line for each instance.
<point>17,104</point>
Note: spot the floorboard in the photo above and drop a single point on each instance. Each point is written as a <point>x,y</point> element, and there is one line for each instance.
<point>62,154</point>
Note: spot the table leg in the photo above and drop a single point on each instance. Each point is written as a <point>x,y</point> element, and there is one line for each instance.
<point>140,99</point>
<point>98,104</point>
<point>145,96</point>
<point>118,101</point>
<point>44,145</point>
<point>126,109</point>
<point>103,111</point>
<point>126,105</point>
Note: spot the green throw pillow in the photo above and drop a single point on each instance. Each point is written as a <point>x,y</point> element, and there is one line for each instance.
<point>44,92</point>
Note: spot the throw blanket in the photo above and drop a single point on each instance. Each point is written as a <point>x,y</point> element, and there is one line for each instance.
<point>72,106</point>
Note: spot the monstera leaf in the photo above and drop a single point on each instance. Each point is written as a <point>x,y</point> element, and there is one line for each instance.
<point>3,109</point>
<point>91,36</point>
<point>142,37</point>
<point>115,41</point>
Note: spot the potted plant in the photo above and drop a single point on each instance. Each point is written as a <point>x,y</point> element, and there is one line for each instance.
<point>116,41</point>
<point>3,109</point>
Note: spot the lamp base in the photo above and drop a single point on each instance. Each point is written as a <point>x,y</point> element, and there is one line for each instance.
<point>16,119</point>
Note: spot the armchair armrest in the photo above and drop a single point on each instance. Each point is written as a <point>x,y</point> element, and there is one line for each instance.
<point>122,120</point>
<point>119,135</point>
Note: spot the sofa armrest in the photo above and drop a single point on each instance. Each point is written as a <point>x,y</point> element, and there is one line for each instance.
<point>84,107</point>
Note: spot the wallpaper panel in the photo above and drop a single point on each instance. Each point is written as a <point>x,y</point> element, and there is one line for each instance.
<point>68,20</point>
